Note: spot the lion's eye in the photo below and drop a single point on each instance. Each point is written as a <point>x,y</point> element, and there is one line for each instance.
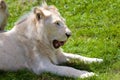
<point>57,23</point>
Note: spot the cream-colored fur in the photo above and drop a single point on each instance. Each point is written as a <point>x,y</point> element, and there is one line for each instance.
<point>3,14</point>
<point>30,45</point>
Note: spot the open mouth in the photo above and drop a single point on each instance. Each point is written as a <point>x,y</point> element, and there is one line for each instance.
<point>57,43</point>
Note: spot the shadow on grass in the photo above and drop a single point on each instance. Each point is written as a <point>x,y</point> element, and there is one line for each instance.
<point>27,75</point>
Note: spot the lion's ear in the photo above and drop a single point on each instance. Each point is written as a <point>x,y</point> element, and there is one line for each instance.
<point>40,13</point>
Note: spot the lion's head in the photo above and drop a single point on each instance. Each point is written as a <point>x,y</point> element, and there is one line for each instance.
<point>55,28</point>
<point>46,25</point>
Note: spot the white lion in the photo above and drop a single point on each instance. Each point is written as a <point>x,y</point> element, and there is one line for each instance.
<point>34,43</point>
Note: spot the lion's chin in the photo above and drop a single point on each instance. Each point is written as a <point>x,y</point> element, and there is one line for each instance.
<point>58,44</point>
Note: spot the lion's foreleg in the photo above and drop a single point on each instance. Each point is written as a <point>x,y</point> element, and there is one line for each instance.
<point>82,58</point>
<point>63,70</point>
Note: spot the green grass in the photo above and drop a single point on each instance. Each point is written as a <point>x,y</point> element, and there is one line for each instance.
<point>95,26</point>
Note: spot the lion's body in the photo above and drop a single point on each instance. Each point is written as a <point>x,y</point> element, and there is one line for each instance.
<point>34,44</point>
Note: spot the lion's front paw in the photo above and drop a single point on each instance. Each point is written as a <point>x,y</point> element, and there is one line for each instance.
<point>88,74</point>
<point>98,60</point>
<point>92,60</point>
